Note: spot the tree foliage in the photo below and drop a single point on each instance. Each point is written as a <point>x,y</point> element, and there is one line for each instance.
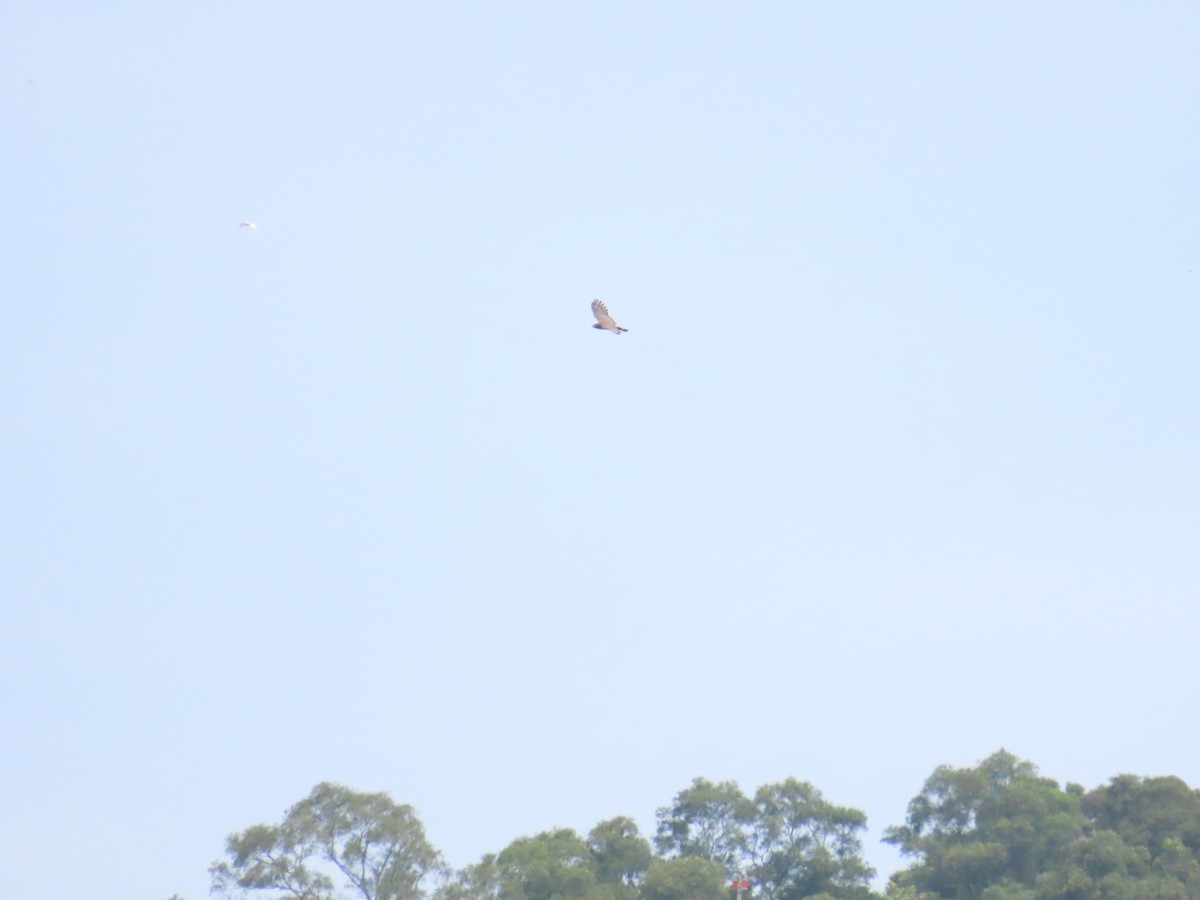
<point>1000,831</point>
<point>1147,812</point>
<point>797,844</point>
<point>788,839</point>
<point>372,846</point>
<point>558,865</point>
<point>995,831</point>
<point>620,852</point>
<point>705,820</point>
<point>553,864</point>
<point>685,878</point>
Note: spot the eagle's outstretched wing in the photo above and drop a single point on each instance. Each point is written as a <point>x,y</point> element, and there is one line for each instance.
<point>603,319</point>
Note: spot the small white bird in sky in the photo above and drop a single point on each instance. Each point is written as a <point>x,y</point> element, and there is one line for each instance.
<point>603,319</point>
<point>247,225</point>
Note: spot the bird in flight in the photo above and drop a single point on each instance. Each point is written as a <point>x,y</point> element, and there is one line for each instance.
<point>250,225</point>
<point>603,319</point>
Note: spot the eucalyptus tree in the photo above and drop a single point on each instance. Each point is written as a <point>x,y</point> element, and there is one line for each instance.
<point>797,844</point>
<point>334,843</point>
<point>705,820</point>
<point>788,840</point>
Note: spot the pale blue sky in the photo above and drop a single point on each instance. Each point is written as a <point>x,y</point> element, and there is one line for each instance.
<point>896,465</point>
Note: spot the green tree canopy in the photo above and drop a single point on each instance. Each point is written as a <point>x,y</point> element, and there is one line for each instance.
<point>1142,842</point>
<point>372,846</point>
<point>548,866</point>
<point>1000,831</point>
<point>1147,812</point>
<point>998,824</point>
<point>789,840</point>
<point>553,865</point>
<point>685,878</point>
<point>798,845</point>
<point>705,820</point>
<point>619,851</point>
<point>995,831</point>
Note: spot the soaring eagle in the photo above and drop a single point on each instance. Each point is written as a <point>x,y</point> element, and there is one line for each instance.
<point>603,319</point>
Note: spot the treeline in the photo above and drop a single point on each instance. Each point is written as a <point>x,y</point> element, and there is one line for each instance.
<point>998,831</point>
